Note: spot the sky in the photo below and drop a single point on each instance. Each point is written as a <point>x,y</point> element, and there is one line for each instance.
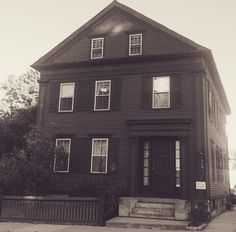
<point>30,28</point>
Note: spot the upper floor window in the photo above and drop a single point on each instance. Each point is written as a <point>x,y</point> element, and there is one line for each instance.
<point>66,99</point>
<point>210,102</point>
<point>99,155</point>
<point>161,92</point>
<point>135,44</point>
<point>97,48</point>
<point>102,95</point>
<point>62,156</point>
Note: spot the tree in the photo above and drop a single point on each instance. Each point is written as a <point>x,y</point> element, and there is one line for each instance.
<point>13,128</point>
<point>29,170</point>
<point>19,92</point>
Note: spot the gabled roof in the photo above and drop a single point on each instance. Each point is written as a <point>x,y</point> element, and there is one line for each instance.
<point>129,11</point>
<point>115,4</point>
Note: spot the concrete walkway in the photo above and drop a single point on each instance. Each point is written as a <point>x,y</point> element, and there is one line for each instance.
<point>226,222</point>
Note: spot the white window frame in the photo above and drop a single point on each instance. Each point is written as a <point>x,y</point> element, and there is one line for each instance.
<point>92,48</point>
<point>68,163</point>
<point>95,95</point>
<point>138,44</point>
<point>72,104</point>
<point>153,96</point>
<point>93,155</point>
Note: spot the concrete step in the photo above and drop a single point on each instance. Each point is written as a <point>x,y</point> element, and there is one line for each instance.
<point>153,211</point>
<point>155,205</point>
<point>153,216</point>
<point>156,200</point>
<point>146,223</point>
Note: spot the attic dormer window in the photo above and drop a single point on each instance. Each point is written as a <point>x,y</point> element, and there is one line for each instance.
<point>97,48</point>
<point>135,44</point>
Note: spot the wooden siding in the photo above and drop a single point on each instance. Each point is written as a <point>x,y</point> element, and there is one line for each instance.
<point>115,27</point>
<point>219,138</point>
<point>84,123</point>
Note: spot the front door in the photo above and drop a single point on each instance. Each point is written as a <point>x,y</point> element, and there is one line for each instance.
<point>159,167</point>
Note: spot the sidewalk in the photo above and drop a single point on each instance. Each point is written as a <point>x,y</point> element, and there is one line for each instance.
<point>226,222</point>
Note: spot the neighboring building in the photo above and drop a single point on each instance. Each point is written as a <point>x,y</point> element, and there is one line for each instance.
<point>128,98</point>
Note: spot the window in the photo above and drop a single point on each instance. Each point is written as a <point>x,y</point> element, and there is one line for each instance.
<point>146,150</point>
<point>135,44</point>
<point>97,48</point>
<point>102,95</point>
<point>161,92</point>
<point>66,99</point>
<point>177,164</point>
<point>213,161</point>
<point>62,156</point>
<point>210,102</point>
<point>99,155</point>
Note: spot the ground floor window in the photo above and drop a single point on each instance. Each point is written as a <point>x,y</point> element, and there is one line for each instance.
<point>99,155</point>
<point>62,155</point>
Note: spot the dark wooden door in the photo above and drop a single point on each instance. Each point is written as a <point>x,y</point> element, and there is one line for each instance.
<point>163,167</point>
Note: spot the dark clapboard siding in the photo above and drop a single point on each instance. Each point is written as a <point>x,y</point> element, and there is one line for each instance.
<point>128,99</point>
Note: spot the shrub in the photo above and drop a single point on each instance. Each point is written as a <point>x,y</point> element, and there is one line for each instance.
<point>28,171</point>
<point>200,213</point>
<point>108,190</point>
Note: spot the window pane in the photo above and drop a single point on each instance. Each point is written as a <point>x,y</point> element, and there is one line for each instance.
<point>97,53</point>
<point>161,84</point>
<point>65,104</point>
<point>67,90</point>
<point>99,164</point>
<point>62,155</point>
<point>136,39</point>
<point>145,181</point>
<point>177,145</point>
<point>102,102</point>
<point>103,88</point>
<point>96,147</point>
<point>161,100</point>
<point>145,172</point>
<point>104,147</point>
<point>177,164</point>
<point>145,163</point>
<point>97,43</point>
<point>136,49</point>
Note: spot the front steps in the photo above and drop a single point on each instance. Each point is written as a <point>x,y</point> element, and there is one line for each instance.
<point>169,214</point>
<point>153,208</point>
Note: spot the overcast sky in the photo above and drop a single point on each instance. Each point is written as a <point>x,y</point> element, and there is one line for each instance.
<point>30,28</point>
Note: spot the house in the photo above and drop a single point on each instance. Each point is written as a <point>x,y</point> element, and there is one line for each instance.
<point>128,98</point>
